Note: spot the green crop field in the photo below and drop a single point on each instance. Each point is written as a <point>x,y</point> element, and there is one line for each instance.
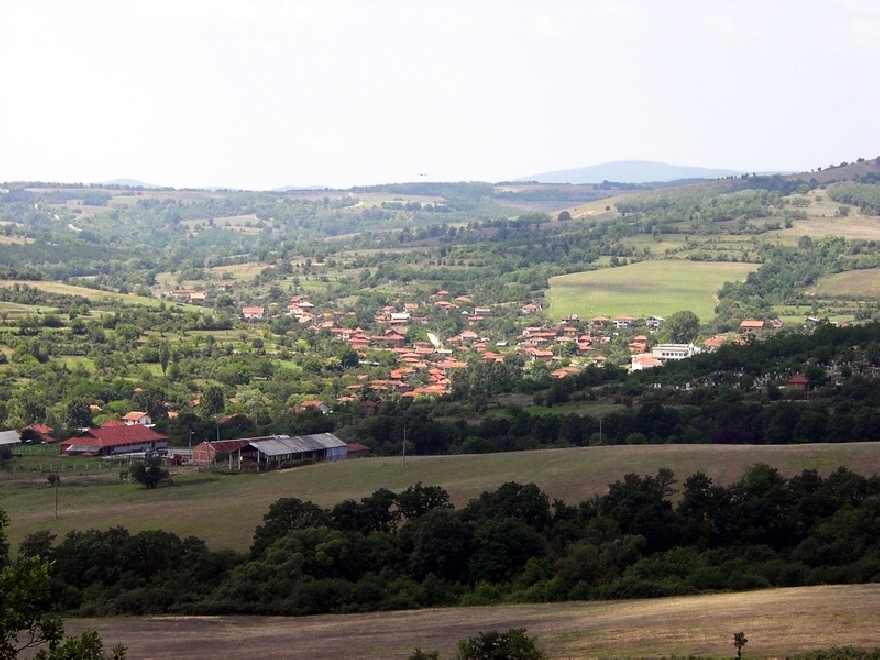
<point>225,510</point>
<point>643,289</point>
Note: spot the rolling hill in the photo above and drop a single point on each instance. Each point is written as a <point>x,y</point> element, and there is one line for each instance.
<point>630,171</point>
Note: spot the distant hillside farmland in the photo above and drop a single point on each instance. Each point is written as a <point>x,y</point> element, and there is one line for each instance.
<point>647,288</point>
<point>864,284</point>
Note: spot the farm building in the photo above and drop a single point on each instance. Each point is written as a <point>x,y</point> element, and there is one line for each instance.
<point>9,438</point>
<point>116,439</point>
<point>206,452</point>
<point>274,449</point>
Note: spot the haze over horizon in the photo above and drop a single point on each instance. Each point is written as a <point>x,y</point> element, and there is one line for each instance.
<point>257,95</point>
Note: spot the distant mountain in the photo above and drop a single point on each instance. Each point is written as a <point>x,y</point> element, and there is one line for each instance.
<point>134,183</point>
<point>630,171</point>
<point>317,186</point>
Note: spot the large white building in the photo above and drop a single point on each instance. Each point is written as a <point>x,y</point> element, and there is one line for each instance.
<point>664,352</point>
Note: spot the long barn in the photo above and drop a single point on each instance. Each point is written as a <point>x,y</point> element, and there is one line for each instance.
<point>274,449</point>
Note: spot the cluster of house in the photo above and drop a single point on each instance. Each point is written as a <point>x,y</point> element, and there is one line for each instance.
<point>193,296</point>
<point>425,368</point>
<point>187,295</point>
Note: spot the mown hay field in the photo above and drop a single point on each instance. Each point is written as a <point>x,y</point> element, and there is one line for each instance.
<point>647,288</point>
<point>862,283</point>
<point>776,622</point>
<point>225,510</point>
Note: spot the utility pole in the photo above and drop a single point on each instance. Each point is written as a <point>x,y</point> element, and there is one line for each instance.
<point>403,447</point>
<point>57,482</point>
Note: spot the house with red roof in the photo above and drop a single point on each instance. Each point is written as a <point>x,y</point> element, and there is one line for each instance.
<point>798,382</point>
<point>750,325</point>
<point>136,417</point>
<point>36,434</point>
<point>111,440</point>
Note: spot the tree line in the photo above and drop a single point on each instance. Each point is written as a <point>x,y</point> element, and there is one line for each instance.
<point>645,537</point>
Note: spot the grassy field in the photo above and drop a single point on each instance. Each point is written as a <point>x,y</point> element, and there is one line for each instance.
<point>777,622</point>
<point>225,510</point>
<point>863,283</point>
<point>85,292</point>
<point>660,287</point>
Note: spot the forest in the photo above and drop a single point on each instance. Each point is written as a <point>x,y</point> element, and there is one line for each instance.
<point>648,536</point>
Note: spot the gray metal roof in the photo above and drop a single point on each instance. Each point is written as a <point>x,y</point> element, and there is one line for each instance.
<point>325,440</point>
<point>281,445</point>
<point>9,438</point>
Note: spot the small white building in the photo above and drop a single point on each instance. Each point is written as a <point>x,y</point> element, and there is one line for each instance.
<point>136,417</point>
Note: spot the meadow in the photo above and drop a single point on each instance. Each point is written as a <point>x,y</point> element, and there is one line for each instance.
<point>776,622</point>
<point>225,509</point>
<point>658,288</point>
<point>864,284</point>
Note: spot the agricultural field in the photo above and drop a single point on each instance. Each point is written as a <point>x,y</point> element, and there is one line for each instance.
<point>776,622</point>
<point>647,288</point>
<point>210,506</point>
<point>862,284</point>
<point>85,292</point>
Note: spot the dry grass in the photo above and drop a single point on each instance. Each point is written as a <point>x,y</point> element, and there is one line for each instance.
<point>93,294</point>
<point>777,622</point>
<point>225,510</point>
<point>851,227</point>
<point>864,283</point>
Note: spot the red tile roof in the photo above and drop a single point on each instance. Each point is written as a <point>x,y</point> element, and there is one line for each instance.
<point>111,436</point>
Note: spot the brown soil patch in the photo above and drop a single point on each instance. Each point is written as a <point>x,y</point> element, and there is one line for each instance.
<point>776,622</point>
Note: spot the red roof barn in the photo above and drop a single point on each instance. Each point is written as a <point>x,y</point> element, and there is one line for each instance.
<point>110,440</point>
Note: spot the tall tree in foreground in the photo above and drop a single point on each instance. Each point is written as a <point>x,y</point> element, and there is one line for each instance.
<point>25,622</point>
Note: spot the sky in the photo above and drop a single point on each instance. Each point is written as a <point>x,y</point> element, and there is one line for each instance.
<point>257,95</point>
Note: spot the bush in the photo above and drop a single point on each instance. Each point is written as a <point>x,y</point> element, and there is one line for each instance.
<point>494,645</point>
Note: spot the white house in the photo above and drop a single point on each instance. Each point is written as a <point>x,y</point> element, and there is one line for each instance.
<point>136,417</point>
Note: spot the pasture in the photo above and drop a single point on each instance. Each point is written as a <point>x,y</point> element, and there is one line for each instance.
<point>861,283</point>
<point>225,510</point>
<point>647,288</point>
<point>85,292</point>
<point>777,623</point>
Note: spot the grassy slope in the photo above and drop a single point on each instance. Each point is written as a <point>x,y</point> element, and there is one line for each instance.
<point>777,622</point>
<point>862,283</point>
<point>647,288</point>
<point>225,510</point>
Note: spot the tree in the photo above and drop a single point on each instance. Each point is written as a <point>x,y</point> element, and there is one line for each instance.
<point>149,474</point>
<point>417,500</point>
<point>286,515</point>
<point>78,414</point>
<point>151,400</point>
<point>213,401</point>
<point>739,640</point>
<point>681,328</point>
<point>494,645</point>
<point>165,356</point>
<point>25,622</point>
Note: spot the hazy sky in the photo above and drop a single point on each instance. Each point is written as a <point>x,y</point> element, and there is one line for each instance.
<point>252,94</point>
